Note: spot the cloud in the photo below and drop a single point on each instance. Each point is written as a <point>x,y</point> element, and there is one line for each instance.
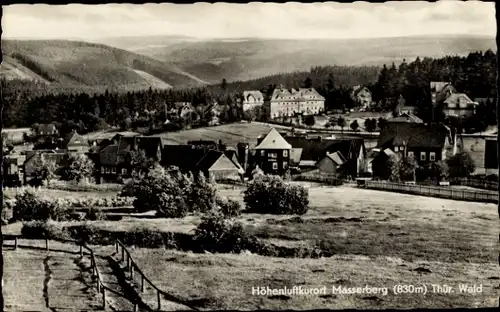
<point>290,20</point>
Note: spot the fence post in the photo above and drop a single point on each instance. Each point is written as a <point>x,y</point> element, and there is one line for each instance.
<point>159,299</point>
<point>47,244</point>
<point>103,298</point>
<point>98,285</point>
<point>116,245</point>
<point>81,251</point>
<point>135,306</point>
<point>15,243</point>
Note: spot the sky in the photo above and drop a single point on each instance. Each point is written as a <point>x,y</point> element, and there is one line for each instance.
<point>262,20</point>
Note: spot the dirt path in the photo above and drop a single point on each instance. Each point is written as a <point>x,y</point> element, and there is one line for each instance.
<point>37,280</point>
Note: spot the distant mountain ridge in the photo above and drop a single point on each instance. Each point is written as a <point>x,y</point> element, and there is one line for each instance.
<point>159,61</point>
<point>76,63</point>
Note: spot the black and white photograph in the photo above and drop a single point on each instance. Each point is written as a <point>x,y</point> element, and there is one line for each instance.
<point>249,156</point>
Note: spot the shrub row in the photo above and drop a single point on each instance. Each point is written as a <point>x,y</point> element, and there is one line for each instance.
<point>146,238</point>
<point>114,201</point>
<point>85,187</point>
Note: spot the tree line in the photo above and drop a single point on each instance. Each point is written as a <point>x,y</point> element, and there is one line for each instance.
<point>27,102</point>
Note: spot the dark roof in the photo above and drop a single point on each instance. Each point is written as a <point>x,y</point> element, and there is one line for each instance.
<point>208,160</point>
<point>109,155</point>
<point>315,149</point>
<point>186,157</point>
<point>149,145</point>
<point>414,135</point>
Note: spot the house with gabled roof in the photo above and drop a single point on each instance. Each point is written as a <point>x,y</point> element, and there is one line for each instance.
<point>362,96</point>
<point>252,99</point>
<point>440,91</point>
<point>217,166</point>
<point>29,167</point>
<point>459,105</point>
<point>272,153</point>
<point>48,129</point>
<point>75,143</point>
<point>426,143</point>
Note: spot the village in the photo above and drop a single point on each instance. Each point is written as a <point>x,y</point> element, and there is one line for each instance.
<point>313,150</point>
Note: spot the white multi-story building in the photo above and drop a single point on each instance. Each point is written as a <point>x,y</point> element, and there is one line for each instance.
<point>289,102</point>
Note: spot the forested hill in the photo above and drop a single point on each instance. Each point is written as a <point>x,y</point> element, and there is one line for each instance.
<point>347,76</point>
<point>74,65</point>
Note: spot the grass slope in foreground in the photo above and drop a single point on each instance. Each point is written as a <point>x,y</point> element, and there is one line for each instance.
<point>379,239</point>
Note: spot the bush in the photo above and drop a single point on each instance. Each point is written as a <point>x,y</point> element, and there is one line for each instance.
<point>217,233</point>
<point>95,214</point>
<point>29,207</point>
<point>164,190</point>
<point>229,207</point>
<point>203,194</point>
<point>43,230</point>
<point>268,194</point>
<point>86,233</point>
<point>145,238</point>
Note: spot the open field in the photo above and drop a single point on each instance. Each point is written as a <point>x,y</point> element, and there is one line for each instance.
<point>229,134</point>
<point>226,281</point>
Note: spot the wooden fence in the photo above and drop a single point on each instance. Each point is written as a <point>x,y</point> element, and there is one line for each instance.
<point>317,177</point>
<point>95,271</point>
<point>435,191</point>
<point>476,183</point>
<point>132,268</point>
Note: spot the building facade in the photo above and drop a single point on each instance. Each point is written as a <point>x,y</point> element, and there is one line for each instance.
<point>291,102</point>
<point>362,96</point>
<point>459,105</point>
<point>272,154</point>
<point>251,100</point>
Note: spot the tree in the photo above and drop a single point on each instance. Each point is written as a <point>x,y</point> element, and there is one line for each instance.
<point>354,125</point>
<point>461,165</point>
<point>381,123</point>
<point>341,122</point>
<point>308,83</point>
<point>309,121</point>
<point>44,170</point>
<point>79,168</point>
<point>370,124</point>
<point>438,171</point>
<point>140,163</point>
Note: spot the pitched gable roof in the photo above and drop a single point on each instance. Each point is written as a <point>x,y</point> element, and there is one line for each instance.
<point>216,160</point>
<point>315,149</point>
<point>357,90</point>
<point>273,140</point>
<point>454,98</point>
<point>150,145</point>
<point>257,95</point>
<point>75,139</point>
<point>413,135</point>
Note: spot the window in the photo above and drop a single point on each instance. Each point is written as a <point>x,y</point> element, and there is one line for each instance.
<point>422,156</point>
<point>275,166</point>
<point>396,148</point>
<point>273,155</point>
<point>285,153</point>
<point>102,169</point>
<point>285,165</point>
<point>410,154</point>
<point>106,170</point>
<point>432,156</point>
<point>124,171</point>
<point>113,170</point>
<point>262,153</point>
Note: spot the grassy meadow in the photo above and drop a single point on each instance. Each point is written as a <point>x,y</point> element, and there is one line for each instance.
<point>379,239</point>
